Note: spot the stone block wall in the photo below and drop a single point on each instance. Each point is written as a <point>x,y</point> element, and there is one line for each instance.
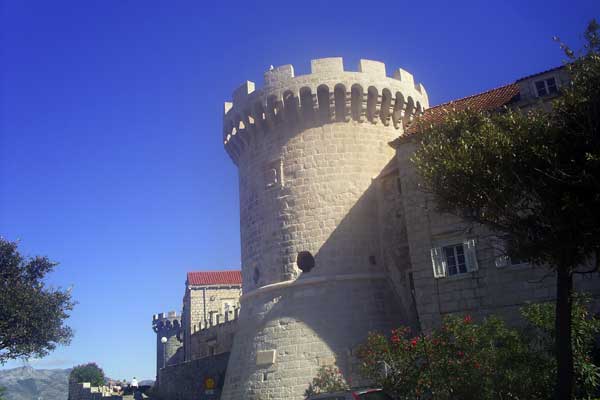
<point>187,380</point>
<point>84,391</point>
<point>213,340</point>
<point>490,289</point>
<point>308,150</point>
<point>202,305</point>
<point>393,239</point>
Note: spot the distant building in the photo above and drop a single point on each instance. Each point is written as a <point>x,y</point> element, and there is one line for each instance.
<point>211,298</point>
<point>198,340</point>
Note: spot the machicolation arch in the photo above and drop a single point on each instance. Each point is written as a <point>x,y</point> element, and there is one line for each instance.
<point>329,94</point>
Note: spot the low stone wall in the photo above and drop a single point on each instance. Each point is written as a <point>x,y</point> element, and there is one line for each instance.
<point>213,340</point>
<point>85,391</point>
<point>190,380</point>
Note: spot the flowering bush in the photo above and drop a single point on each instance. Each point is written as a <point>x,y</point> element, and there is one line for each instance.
<point>328,379</point>
<point>466,360</point>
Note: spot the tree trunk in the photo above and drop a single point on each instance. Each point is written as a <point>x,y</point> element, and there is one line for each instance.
<point>564,350</point>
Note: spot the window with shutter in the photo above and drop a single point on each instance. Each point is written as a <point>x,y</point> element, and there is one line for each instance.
<point>470,255</point>
<point>438,262</point>
<point>454,259</point>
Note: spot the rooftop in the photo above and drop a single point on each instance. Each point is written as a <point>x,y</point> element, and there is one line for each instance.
<point>201,278</point>
<point>486,101</point>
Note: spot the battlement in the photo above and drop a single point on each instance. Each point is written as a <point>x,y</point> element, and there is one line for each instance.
<point>169,320</point>
<point>328,94</point>
<point>216,320</point>
<point>214,337</point>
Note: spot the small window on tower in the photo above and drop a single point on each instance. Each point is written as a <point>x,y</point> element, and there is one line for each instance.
<point>273,174</point>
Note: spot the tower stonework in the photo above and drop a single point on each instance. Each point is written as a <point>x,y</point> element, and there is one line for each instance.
<point>314,281</point>
<point>167,325</point>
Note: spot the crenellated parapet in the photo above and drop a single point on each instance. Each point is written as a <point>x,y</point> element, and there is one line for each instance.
<point>166,321</point>
<point>217,319</point>
<point>328,94</point>
<point>215,336</point>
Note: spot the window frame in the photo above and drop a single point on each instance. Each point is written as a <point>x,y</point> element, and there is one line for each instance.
<point>546,88</point>
<point>439,258</point>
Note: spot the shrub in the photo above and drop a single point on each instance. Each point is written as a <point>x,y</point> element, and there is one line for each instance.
<point>328,379</point>
<point>466,360</point>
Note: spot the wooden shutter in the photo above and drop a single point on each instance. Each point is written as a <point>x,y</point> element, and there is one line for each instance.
<point>438,262</point>
<point>470,255</point>
<point>501,259</point>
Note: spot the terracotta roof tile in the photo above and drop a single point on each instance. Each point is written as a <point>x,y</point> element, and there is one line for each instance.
<point>486,101</point>
<point>214,278</point>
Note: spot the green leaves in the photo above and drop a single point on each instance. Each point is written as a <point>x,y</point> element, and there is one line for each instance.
<point>328,379</point>
<point>531,175</point>
<point>31,315</point>
<point>467,360</point>
<point>89,372</point>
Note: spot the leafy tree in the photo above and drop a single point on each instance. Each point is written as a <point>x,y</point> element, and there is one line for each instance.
<point>2,391</point>
<point>533,178</point>
<point>89,372</point>
<point>32,315</point>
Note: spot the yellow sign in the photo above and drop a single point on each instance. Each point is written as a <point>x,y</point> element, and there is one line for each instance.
<point>209,383</point>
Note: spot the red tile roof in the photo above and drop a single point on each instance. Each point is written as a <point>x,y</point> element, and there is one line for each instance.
<point>214,278</point>
<point>486,101</point>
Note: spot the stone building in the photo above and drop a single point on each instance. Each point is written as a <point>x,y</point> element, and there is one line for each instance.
<point>198,341</point>
<point>337,239</point>
<point>211,298</point>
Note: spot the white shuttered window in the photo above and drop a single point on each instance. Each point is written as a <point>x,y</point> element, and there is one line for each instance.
<point>454,259</point>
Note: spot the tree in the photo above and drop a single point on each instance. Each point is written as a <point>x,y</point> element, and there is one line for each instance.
<point>533,178</point>
<point>89,372</point>
<point>32,315</point>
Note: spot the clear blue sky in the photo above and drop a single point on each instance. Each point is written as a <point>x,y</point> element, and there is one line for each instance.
<point>111,159</point>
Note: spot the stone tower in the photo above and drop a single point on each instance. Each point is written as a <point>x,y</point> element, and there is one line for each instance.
<point>307,149</point>
<point>168,326</point>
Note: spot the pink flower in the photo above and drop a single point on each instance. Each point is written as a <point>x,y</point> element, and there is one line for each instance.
<point>468,319</point>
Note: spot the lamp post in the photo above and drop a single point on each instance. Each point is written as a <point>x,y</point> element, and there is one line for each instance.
<point>163,340</point>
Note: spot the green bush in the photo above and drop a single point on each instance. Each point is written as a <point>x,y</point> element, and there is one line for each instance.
<point>328,379</point>
<point>467,360</point>
<point>89,372</point>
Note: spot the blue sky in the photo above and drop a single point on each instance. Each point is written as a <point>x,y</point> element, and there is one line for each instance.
<point>111,159</point>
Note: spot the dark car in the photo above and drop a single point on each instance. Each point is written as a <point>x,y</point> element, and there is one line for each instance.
<point>353,394</point>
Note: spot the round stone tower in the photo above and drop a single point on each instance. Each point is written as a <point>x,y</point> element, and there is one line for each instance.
<point>168,326</point>
<point>308,148</point>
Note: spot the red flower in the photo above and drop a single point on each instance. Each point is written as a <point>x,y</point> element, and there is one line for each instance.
<point>476,365</point>
<point>468,319</point>
<point>460,354</point>
<point>414,342</point>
